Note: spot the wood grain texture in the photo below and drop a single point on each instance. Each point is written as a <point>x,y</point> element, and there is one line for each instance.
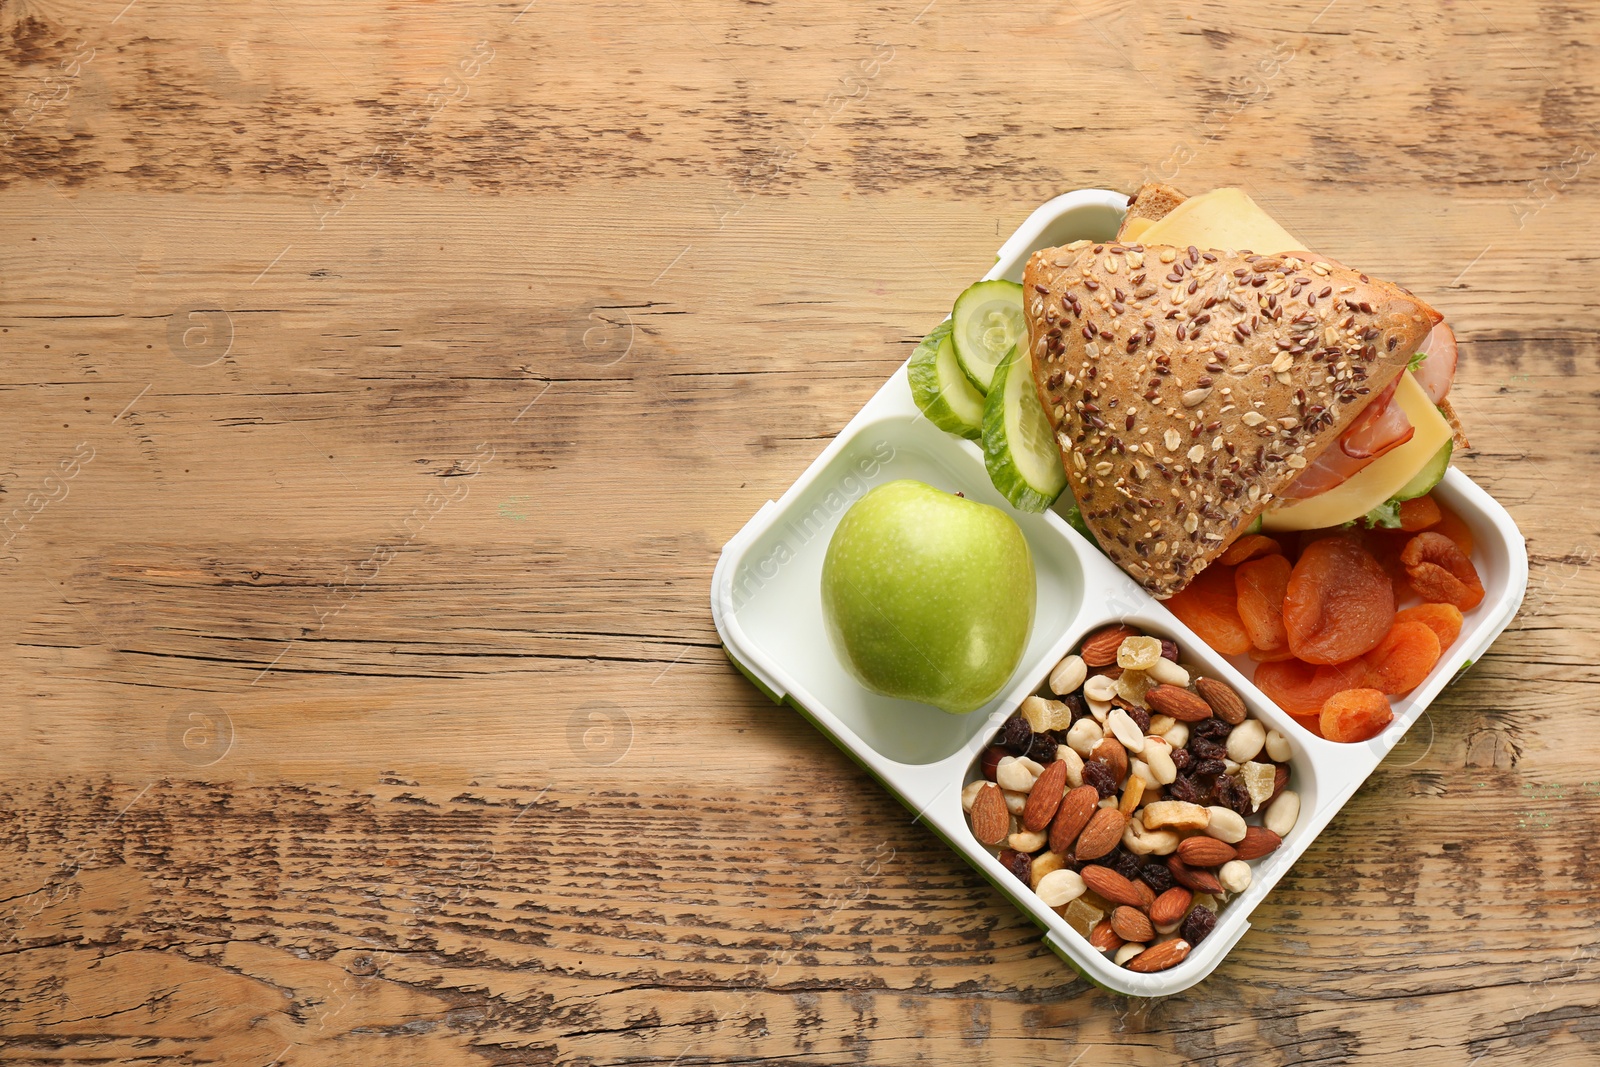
<point>413,362</point>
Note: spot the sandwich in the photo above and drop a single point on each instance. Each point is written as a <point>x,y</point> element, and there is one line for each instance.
<point>1204,375</point>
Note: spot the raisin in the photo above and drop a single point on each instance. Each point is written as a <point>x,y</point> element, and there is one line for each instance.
<point>1139,715</point>
<point>1184,788</point>
<point>1209,768</point>
<point>1099,775</point>
<point>1181,758</point>
<point>1158,876</point>
<point>1125,863</point>
<point>991,760</point>
<point>1077,705</point>
<point>1236,797</point>
<point>1205,749</point>
<point>1199,923</point>
<point>1169,650</point>
<point>1016,734</point>
<point>1019,864</point>
<point>1042,749</point>
<point>1212,728</point>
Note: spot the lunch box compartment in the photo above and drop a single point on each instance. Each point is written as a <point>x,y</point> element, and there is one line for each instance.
<point>775,585</point>
<point>766,601</point>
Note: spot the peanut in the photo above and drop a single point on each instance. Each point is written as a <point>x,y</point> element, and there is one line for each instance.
<point>1160,724</point>
<point>1060,886</point>
<point>1283,813</point>
<point>1017,773</point>
<point>1068,675</point>
<point>970,794</point>
<point>1015,801</point>
<point>1278,749</point>
<point>1225,825</point>
<point>1141,770</point>
<point>1100,688</point>
<point>1166,672</point>
<point>1158,757</point>
<point>1246,740</point>
<point>1028,840</point>
<point>1074,764</point>
<point>1126,730</point>
<point>1178,736</point>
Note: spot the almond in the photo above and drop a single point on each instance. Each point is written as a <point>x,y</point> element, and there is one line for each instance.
<point>1110,752</point>
<point>1225,703</point>
<point>1178,703</point>
<point>1130,924</point>
<point>1147,896</point>
<point>1100,647</point>
<point>1077,807</point>
<point>1197,880</point>
<point>1171,906</point>
<point>1204,851</point>
<point>991,822</point>
<point>1280,780</point>
<point>1258,841</point>
<point>1160,957</point>
<point>1045,796</point>
<point>1101,835</point>
<point>1104,938</point>
<point>1110,885</point>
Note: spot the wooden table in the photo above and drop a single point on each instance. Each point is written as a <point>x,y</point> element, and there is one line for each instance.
<point>379,385</point>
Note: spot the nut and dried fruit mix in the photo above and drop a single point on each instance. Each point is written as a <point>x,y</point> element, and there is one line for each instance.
<point>1132,794</point>
<point>1317,612</point>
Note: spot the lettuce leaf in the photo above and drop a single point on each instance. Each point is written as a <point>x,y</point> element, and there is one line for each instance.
<point>1386,515</point>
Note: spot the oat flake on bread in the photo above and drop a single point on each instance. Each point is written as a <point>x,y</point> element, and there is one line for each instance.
<point>1187,387</point>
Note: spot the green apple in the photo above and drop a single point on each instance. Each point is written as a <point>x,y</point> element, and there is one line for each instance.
<point>928,596</point>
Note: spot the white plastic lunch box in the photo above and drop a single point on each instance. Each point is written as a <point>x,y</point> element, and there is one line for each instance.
<point>766,600</point>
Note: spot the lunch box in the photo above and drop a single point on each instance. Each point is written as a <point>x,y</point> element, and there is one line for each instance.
<point>766,601</point>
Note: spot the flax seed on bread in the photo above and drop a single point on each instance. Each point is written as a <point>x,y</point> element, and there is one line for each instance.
<point>1186,387</point>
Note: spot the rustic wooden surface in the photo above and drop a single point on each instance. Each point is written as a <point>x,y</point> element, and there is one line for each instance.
<point>379,383</point>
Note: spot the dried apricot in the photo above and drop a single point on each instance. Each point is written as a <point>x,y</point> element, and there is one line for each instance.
<point>1339,602</point>
<point>1355,715</point>
<point>1443,619</point>
<point>1208,606</point>
<point>1404,657</point>
<point>1440,572</point>
<point>1419,514</point>
<point>1250,546</point>
<point>1455,528</point>
<point>1386,546</point>
<point>1271,655</point>
<point>1260,585</point>
<point>1310,722</point>
<point>1301,688</point>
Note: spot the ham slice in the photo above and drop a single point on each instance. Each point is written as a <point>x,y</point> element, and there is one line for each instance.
<point>1438,372</point>
<point>1382,427</point>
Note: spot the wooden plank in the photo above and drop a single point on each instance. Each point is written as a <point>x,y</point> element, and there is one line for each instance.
<point>414,363</point>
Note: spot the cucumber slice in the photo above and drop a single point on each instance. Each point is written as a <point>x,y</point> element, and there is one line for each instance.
<point>1018,448</point>
<point>1255,526</point>
<point>941,390</point>
<point>986,323</point>
<point>1430,474</point>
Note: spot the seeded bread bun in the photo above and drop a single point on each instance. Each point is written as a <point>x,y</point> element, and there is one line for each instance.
<point>1187,388</point>
<point>1152,201</point>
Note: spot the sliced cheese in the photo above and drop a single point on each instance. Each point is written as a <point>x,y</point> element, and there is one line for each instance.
<point>1222,218</point>
<point>1379,480</point>
<point>1133,230</point>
